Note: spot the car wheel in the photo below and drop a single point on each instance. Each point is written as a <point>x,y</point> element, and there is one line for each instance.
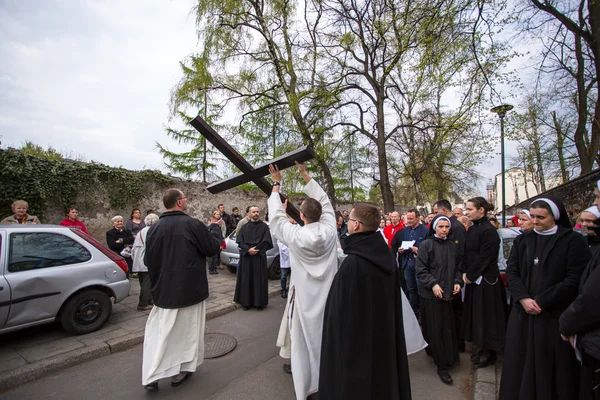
<point>86,312</point>
<point>232,269</point>
<point>275,269</point>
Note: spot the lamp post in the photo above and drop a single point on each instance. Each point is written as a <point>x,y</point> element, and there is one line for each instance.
<point>501,111</point>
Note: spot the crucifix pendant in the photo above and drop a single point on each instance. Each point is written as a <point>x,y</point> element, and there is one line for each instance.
<point>536,261</point>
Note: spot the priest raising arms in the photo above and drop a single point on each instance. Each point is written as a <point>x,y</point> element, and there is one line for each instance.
<point>313,255</point>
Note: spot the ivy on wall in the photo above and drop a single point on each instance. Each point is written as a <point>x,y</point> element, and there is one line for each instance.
<point>41,181</point>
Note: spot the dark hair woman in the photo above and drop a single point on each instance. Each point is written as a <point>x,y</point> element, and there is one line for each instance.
<point>544,271</point>
<point>484,319</point>
<point>135,222</point>
<point>439,280</point>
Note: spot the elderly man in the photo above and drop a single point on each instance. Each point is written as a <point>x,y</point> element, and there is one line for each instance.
<point>458,212</point>
<point>176,250</point>
<point>364,353</point>
<point>313,254</point>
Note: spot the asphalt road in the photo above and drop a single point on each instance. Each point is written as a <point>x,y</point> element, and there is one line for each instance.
<point>251,371</point>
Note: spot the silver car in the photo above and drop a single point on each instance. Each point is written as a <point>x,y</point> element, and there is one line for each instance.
<point>230,256</point>
<point>55,273</point>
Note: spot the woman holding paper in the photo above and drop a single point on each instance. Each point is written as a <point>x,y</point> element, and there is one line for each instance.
<point>544,272</point>
<point>439,279</point>
<point>484,319</point>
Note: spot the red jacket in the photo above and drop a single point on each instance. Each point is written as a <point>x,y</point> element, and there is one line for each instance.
<point>77,223</point>
<point>389,232</point>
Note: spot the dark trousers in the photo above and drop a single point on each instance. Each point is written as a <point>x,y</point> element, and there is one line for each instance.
<point>284,274</point>
<point>145,289</point>
<point>213,262</point>
<point>410,278</point>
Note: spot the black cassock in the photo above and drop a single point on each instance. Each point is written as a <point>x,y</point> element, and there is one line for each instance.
<point>363,352</point>
<point>538,364</point>
<point>251,289</point>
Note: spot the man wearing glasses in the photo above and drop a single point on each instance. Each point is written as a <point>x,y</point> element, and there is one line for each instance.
<point>176,250</point>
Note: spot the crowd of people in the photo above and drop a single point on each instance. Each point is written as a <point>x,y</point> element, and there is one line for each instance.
<point>347,327</point>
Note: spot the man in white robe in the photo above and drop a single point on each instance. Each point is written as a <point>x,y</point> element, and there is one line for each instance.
<point>176,250</point>
<point>313,253</point>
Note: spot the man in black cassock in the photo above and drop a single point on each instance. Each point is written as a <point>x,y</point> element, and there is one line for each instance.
<point>363,352</point>
<point>254,239</point>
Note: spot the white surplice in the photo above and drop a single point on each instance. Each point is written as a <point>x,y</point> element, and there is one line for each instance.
<point>313,256</point>
<point>173,341</point>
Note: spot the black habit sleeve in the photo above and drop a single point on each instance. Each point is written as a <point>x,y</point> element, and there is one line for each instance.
<point>577,258</point>
<point>518,290</point>
<point>583,314</point>
<point>396,243</point>
<point>424,274</point>
<point>241,240</point>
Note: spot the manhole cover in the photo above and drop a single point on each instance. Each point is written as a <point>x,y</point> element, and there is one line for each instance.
<point>218,344</point>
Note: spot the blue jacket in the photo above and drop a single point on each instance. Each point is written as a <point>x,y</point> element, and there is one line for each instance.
<point>419,234</point>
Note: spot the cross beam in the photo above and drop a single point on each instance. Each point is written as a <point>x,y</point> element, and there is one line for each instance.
<point>249,173</point>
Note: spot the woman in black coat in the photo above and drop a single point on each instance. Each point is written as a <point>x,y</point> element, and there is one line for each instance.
<point>439,278</point>
<point>484,319</point>
<point>544,270</point>
<point>117,238</point>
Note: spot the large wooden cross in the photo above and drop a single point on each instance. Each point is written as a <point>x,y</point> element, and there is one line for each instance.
<point>249,173</point>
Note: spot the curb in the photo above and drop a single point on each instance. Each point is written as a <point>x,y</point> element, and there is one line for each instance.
<point>42,368</point>
<point>485,383</point>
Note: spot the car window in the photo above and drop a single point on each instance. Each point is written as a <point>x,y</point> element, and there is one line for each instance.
<point>34,250</point>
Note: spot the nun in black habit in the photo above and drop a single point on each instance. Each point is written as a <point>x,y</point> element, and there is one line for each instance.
<point>439,278</point>
<point>485,309</point>
<point>544,271</point>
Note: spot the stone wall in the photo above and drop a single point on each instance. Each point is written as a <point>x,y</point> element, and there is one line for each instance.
<point>577,194</point>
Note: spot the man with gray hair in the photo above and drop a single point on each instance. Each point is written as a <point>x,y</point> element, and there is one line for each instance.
<point>176,250</point>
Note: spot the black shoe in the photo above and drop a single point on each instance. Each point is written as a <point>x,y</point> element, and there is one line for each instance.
<point>444,376</point>
<point>216,272</point>
<point>461,347</point>
<point>179,379</point>
<point>245,308</point>
<point>284,294</point>
<point>287,368</point>
<point>475,357</point>
<point>151,387</point>
<point>483,362</point>
<point>260,308</point>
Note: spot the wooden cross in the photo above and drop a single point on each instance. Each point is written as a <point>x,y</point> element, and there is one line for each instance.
<point>249,173</point>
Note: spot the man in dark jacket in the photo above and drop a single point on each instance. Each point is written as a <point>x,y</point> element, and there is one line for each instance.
<point>412,235</point>
<point>364,308</point>
<point>176,250</point>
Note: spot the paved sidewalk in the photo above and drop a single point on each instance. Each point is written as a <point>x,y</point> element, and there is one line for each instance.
<point>486,382</point>
<point>35,352</point>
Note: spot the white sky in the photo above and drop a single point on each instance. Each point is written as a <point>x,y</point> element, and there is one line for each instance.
<point>92,78</point>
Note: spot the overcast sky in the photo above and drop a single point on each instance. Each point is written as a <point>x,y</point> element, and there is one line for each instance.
<point>92,78</point>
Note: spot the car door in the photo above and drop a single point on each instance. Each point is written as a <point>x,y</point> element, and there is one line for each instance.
<point>4,287</point>
<point>41,266</point>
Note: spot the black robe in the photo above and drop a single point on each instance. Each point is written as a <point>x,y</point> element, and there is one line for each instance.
<point>538,364</point>
<point>439,264</point>
<point>485,309</point>
<point>251,287</point>
<point>582,318</point>
<point>363,352</point>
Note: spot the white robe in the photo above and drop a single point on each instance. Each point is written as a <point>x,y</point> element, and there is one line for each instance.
<point>173,341</point>
<point>313,255</point>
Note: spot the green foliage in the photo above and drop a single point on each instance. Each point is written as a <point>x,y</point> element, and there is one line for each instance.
<point>31,149</point>
<point>41,179</point>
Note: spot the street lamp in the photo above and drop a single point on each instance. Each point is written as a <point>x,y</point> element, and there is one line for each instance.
<point>501,111</point>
